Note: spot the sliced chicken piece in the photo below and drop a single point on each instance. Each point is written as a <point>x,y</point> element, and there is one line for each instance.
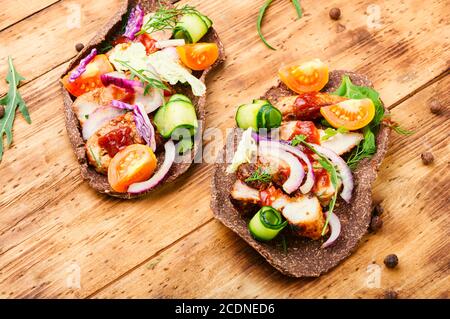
<point>89,102</point>
<point>305,106</point>
<point>305,214</point>
<point>110,139</point>
<point>323,188</point>
<point>243,192</point>
<point>342,142</point>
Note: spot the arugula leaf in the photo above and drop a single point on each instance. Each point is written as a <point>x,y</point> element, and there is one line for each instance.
<point>97,161</point>
<point>364,149</point>
<point>259,175</point>
<point>298,8</point>
<point>329,167</point>
<point>262,11</point>
<point>12,100</point>
<point>330,132</point>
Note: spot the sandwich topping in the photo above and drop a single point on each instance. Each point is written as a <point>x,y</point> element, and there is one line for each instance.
<point>294,161</point>
<point>126,99</point>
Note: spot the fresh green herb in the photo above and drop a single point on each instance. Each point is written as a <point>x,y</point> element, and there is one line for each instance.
<point>325,123</point>
<point>395,126</point>
<point>298,8</point>
<point>259,22</point>
<point>364,149</point>
<point>97,161</point>
<point>329,167</point>
<point>146,80</point>
<point>165,18</point>
<point>259,175</point>
<point>330,132</point>
<point>104,47</point>
<point>86,116</point>
<point>12,100</point>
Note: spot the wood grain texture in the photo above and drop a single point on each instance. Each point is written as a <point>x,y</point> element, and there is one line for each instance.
<point>214,262</point>
<point>51,223</point>
<point>14,11</point>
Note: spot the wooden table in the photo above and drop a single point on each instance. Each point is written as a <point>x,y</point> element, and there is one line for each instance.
<point>58,238</point>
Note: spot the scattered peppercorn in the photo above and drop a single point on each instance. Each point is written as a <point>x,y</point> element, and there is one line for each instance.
<point>435,107</point>
<point>377,210</point>
<point>390,294</point>
<point>427,158</point>
<point>391,261</point>
<point>335,13</point>
<point>79,46</point>
<point>2,111</point>
<point>376,223</point>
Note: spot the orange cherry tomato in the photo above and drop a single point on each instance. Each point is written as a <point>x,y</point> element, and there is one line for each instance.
<point>349,114</point>
<point>89,79</point>
<point>135,163</point>
<point>198,56</point>
<point>305,77</point>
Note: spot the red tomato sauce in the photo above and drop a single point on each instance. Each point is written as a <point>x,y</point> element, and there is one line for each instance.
<point>116,140</point>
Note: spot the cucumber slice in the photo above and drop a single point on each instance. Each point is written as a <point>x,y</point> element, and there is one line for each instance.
<point>246,116</point>
<point>190,27</point>
<point>266,224</point>
<point>207,20</point>
<point>180,97</point>
<point>173,115</point>
<point>269,116</point>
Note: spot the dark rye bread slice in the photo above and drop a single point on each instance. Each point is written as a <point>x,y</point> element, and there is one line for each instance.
<point>107,32</point>
<point>304,257</point>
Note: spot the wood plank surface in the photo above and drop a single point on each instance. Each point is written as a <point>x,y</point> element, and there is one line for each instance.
<point>214,262</point>
<point>52,224</point>
<point>14,11</point>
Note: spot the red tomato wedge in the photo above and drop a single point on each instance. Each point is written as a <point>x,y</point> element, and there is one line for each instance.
<point>198,56</point>
<point>349,114</point>
<point>305,77</point>
<point>135,163</point>
<point>89,79</point>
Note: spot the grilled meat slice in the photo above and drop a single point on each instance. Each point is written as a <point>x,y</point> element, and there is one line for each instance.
<point>247,170</point>
<point>111,138</point>
<point>323,188</point>
<point>305,106</point>
<point>243,192</point>
<point>342,142</point>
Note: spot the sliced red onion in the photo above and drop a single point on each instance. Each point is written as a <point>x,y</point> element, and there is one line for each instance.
<point>335,225</point>
<point>344,171</point>
<point>98,118</point>
<point>122,82</point>
<point>310,179</point>
<point>170,43</point>
<point>296,168</point>
<point>157,178</point>
<point>135,21</point>
<point>144,126</point>
<point>75,74</point>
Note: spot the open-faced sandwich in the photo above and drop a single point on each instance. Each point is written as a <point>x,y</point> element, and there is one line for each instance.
<point>298,187</point>
<point>135,95</point>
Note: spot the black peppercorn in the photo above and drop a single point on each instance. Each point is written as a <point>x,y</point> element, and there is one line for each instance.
<point>390,294</point>
<point>427,158</point>
<point>79,46</point>
<point>335,13</point>
<point>435,107</point>
<point>376,223</point>
<point>391,261</point>
<point>2,111</point>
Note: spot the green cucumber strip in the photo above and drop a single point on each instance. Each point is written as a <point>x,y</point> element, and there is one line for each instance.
<point>193,27</point>
<point>269,117</point>
<point>175,114</point>
<point>246,116</point>
<point>180,97</point>
<point>184,145</point>
<point>207,20</point>
<point>266,224</point>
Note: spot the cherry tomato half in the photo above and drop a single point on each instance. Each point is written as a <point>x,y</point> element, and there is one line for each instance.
<point>135,163</point>
<point>89,79</point>
<point>198,56</point>
<point>349,114</point>
<point>305,77</point>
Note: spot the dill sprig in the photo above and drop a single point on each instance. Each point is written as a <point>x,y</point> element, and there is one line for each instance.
<point>165,18</point>
<point>259,175</point>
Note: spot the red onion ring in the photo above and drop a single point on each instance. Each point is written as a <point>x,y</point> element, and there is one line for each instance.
<point>158,177</point>
<point>335,225</point>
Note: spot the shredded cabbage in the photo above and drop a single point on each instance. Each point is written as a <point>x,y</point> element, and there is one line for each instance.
<point>170,70</point>
<point>246,149</point>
